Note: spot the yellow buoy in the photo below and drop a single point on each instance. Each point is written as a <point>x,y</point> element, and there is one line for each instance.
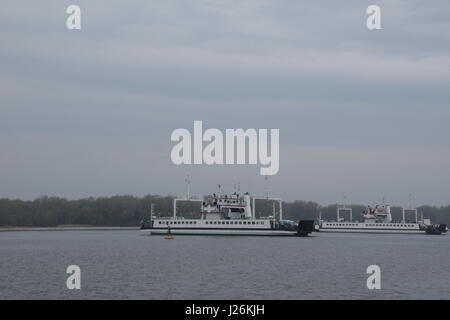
<point>168,234</point>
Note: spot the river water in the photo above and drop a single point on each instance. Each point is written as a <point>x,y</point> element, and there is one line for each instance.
<point>129,265</point>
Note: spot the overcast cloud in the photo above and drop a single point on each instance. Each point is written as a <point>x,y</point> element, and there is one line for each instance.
<point>90,112</point>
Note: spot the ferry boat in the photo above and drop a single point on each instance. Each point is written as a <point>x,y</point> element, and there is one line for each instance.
<point>378,219</point>
<point>226,215</point>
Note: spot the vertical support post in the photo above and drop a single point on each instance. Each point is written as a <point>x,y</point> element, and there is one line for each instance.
<point>151,214</point>
<point>281,210</point>
<point>174,208</point>
<point>188,181</point>
<point>403,215</point>
<point>253,208</point>
<point>274,213</point>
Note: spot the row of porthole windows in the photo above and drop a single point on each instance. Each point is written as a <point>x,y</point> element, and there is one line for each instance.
<point>177,222</point>
<point>234,222</point>
<point>210,222</point>
<point>372,225</point>
<point>389,225</point>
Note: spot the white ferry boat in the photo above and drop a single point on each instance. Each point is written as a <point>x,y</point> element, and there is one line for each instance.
<point>225,215</point>
<point>378,219</point>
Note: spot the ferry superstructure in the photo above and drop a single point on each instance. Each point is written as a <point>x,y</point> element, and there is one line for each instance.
<point>224,215</point>
<point>378,219</point>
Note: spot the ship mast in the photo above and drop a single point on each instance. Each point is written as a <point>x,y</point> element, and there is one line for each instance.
<point>409,209</point>
<point>188,182</point>
<point>266,196</point>
<point>187,198</point>
<point>344,208</point>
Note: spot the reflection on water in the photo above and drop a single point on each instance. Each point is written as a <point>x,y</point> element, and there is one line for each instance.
<point>128,265</point>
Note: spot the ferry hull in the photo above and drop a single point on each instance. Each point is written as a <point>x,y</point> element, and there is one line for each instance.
<point>378,219</point>
<point>218,232</point>
<point>383,228</point>
<point>372,231</point>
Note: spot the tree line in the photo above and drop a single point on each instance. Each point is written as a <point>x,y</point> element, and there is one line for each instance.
<point>129,210</point>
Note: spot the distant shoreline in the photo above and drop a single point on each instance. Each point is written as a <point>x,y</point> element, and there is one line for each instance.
<point>6,229</point>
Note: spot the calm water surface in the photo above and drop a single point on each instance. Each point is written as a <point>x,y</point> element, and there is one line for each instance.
<point>128,265</point>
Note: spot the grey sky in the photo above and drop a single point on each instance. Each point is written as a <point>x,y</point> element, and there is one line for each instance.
<point>90,112</point>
